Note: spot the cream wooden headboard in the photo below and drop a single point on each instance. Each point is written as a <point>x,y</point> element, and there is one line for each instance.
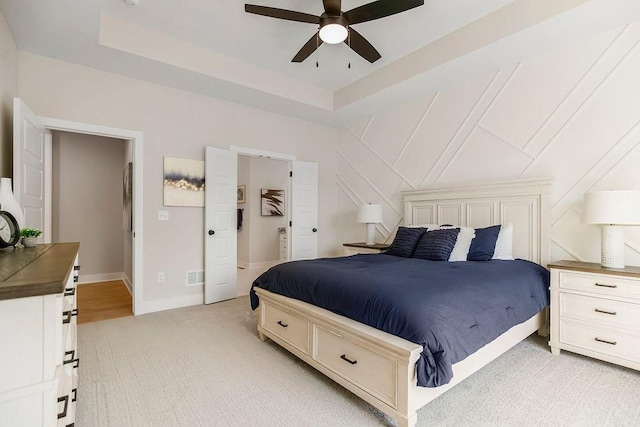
<point>523,203</point>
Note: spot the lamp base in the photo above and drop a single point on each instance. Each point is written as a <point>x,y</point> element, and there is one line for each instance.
<point>371,233</point>
<point>612,251</point>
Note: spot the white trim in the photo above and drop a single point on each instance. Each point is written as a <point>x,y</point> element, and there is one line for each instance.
<point>103,277</point>
<point>48,185</point>
<point>245,151</point>
<point>137,138</point>
<point>127,283</point>
<point>145,307</point>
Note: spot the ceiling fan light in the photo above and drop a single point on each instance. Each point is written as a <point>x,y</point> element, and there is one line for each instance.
<point>333,33</point>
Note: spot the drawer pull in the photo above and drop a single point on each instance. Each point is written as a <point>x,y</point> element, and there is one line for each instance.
<point>69,292</point>
<point>344,357</point>
<point>76,267</point>
<point>284,325</point>
<point>613,313</point>
<point>604,285</point>
<point>75,361</point>
<point>75,394</point>
<point>606,342</point>
<point>64,399</point>
<point>75,278</point>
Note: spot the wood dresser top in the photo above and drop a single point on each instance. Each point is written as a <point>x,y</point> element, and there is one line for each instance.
<point>592,267</point>
<point>43,270</point>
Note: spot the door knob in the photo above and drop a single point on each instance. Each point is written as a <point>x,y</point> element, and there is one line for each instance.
<point>315,230</point>
<point>211,232</point>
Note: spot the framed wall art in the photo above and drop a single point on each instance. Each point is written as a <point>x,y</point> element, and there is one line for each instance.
<point>183,182</point>
<point>272,202</point>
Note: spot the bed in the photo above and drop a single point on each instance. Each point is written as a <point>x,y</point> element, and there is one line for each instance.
<point>384,369</point>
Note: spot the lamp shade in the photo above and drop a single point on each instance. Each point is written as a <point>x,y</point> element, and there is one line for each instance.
<point>616,207</point>
<point>369,213</point>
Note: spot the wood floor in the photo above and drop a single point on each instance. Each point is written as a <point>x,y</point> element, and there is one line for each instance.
<point>102,301</point>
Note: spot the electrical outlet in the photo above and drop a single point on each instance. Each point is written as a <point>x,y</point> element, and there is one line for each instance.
<point>161,277</point>
<point>163,215</point>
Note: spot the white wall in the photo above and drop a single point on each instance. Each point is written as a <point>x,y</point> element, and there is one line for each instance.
<point>8,89</point>
<point>87,201</point>
<point>572,115</point>
<point>178,124</point>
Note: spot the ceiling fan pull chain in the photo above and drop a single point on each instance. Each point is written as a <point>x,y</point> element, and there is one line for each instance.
<point>317,47</point>
<point>349,51</point>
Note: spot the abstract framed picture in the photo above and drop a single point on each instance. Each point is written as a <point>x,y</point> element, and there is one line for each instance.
<point>272,202</point>
<point>183,182</point>
<point>127,193</point>
<point>242,192</point>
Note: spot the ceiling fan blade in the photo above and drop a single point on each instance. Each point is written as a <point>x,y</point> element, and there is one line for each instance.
<point>379,9</point>
<point>361,46</point>
<point>308,48</point>
<point>332,7</point>
<point>289,15</point>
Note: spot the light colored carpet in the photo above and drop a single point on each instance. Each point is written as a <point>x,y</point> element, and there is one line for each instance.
<point>205,366</point>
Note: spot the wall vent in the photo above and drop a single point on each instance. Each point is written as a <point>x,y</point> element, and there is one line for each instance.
<point>195,277</point>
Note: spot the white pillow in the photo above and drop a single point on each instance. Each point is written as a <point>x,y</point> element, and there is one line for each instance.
<point>463,243</point>
<point>504,244</point>
<point>427,226</point>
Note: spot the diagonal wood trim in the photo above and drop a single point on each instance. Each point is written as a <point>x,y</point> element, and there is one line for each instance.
<point>482,116</point>
<point>415,129</point>
<point>504,141</point>
<point>566,249</point>
<point>357,201</point>
<point>578,84</point>
<point>572,196</point>
<point>386,163</point>
<point>583,104</point>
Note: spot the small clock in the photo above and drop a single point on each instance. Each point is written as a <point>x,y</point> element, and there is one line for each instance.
<point>9,230</point>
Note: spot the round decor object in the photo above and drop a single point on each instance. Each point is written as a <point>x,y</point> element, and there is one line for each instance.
<point>9,230</point>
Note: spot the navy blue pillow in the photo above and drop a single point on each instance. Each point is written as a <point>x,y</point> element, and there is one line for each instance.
<point>405,241</point>
<point>484,244</point>
<point>437,245</point>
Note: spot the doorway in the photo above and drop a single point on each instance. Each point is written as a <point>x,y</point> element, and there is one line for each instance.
<point>262,216</point>
<point>87,206</point>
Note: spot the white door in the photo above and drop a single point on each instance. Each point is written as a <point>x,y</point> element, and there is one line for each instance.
<point>304,210</point>
<point>220,254</point>
<point>31,146</point>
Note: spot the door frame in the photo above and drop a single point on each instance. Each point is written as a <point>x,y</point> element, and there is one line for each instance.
<point>252,152</point>
<point>136,138</point>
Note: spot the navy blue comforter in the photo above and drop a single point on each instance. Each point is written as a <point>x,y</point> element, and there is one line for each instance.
<point>452,309</point>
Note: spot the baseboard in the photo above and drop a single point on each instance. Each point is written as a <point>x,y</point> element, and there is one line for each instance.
<point>104,277</point>
<point>127,283</point>
<point>169,303</point>
<point>264,264</point>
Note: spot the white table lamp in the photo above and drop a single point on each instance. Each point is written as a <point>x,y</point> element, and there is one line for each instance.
<point>370,214</point>
<point>611,210</point>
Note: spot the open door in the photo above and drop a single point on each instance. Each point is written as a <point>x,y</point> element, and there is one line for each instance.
<point>31,151</point>
<point>221,240</point>
<point>304,210</point>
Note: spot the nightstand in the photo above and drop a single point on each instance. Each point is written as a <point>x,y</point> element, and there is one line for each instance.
<point>363,248</point>
<point>595,311</point>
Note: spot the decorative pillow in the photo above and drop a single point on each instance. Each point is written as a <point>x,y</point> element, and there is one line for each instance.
<point>483,245</point>
<point>504,244</point>
<point>436,245</point>
<point>463,243</point>
<point>405,241</point>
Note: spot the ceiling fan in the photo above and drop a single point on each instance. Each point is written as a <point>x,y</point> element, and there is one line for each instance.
<point>335,26</point>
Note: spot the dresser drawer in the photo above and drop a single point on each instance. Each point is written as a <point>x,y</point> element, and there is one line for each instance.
<point>600,284</point>
<point>601,340</point>
<point>368,370</point>
<point>288,326</point>
<point>601,311</point>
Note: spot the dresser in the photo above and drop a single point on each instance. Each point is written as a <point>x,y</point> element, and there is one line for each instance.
<point>38,358</point>
<point>282,240</point>
<point>363,248</point>
<point>595,311</point>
